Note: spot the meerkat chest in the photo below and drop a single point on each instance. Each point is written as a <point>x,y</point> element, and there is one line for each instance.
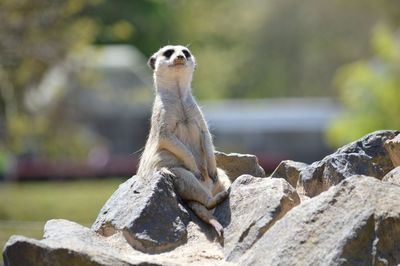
<point>188,127</point>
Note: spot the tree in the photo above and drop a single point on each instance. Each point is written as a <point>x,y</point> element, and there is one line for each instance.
<point>34,36</point>
<point>369,90</point>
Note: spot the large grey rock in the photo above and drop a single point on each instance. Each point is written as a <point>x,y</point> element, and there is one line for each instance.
<point>254,205</point>
<point>148,214</point>
<point>393,176</point>
<point>354,223</point>
<point>372,145</point>
<point>236,164</point>
<point>20,250</point>
<point>290,171</point>
<point>67,243</point>
<point>393,148</point>
<point>366,156</point>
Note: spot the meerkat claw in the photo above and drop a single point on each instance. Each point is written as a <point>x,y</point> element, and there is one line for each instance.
<point>218,227</point>
<point>214,177</point>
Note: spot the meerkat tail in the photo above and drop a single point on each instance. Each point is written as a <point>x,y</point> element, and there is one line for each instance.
<point>206,216</point>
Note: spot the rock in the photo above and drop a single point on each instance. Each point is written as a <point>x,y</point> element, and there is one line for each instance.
<point>152,227</point>
<point>393,148</point>
<point>393,176</point>
<point>320,176</point>
<point>149,215</point>
<point>20,250</point>
<point>289,170</point>
<point>354,223</point>
<point>366,156</point>
<point>67,243</point>
<point>372,145</point>
<point>236,164</point>
<point>254,205</point>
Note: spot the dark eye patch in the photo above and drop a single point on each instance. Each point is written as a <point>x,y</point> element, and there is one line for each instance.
<point>186,53</point>
<point>168,53</point>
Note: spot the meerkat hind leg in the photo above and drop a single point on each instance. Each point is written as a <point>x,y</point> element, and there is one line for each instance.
<point>190,189</point>
<point>206,216</point>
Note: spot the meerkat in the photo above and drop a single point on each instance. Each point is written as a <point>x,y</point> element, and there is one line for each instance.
<point>179,143</point>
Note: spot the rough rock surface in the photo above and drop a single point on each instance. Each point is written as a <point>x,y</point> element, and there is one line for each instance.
<point>366,156</point>
<point>67,243</point>
<point>354,223</point>
<point>393,148</point>
<point>393,176</point>
<point>290,171</point>
<point>235,164</point>
<point>152,227</point>
<point>254,206</point>
<point>147,213</point>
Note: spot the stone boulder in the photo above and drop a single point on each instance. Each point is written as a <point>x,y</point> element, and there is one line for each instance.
<point>354,223</point>
<point>393,176</point>
<point>366,156</point>
<point>148,213</point>
<point>236,164</point>
<point>67,243</point>
<point>290,171</point>
<point>135,209</point>
<point>254,205</point>
<point>393,148</point>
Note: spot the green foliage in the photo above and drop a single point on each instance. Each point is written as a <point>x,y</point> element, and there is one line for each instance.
<point>369,91</point>
<point>145,24</point>
<point>41,134</point>
<point>34,36</point>
<point>250,49</point>
<point>268,49</point>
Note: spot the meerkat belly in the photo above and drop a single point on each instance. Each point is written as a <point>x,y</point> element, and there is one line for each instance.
<point>188,132</point>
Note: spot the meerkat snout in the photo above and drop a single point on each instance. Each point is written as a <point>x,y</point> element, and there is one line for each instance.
<point>180,60</point>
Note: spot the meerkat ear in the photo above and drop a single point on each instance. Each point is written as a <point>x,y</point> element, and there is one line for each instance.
<point>152,62</point>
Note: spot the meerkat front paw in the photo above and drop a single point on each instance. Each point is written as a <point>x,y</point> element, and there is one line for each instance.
<point>212,172</point>
<point>217,199</point>
<point>213,176</point>
<point>199,176</point>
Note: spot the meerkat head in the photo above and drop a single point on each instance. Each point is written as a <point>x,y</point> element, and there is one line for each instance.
<point>173,62</point>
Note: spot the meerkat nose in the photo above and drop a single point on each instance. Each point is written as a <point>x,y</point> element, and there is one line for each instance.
<point>180,60</point>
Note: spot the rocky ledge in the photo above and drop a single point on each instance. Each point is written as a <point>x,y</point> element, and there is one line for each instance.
<point>342,210</point>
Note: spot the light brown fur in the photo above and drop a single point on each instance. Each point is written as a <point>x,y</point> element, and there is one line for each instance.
<point>180,144</point>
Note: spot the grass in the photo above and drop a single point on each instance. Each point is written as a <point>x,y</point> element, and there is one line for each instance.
<point>25,207</point>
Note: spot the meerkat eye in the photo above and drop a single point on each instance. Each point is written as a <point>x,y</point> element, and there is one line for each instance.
<point>168,53</point>
<point>186,53</point>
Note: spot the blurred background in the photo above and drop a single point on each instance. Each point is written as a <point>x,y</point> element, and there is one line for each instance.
<point>280,79</point>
